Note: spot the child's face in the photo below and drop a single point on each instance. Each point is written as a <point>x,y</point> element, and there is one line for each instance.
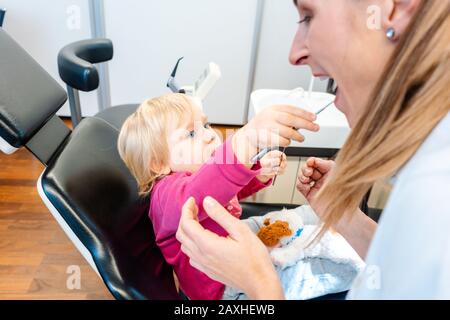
<point>192,144</point>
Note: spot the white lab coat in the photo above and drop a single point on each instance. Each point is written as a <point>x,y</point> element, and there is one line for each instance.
<point>409,257</point>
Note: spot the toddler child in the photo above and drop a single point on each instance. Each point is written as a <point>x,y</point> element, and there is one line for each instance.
<point>174,154</point>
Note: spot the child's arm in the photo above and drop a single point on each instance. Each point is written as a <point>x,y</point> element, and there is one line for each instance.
<point>255,185</point>
<point>221,177</point>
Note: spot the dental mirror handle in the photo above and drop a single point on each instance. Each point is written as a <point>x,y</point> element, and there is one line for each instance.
<point>281,159</point>
<point>262,153</point>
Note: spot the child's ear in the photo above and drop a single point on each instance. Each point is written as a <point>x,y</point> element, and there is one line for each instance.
<point>166,170</point>
<point>159,168</point>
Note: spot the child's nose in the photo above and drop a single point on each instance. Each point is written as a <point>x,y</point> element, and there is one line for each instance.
<point>209,136</point>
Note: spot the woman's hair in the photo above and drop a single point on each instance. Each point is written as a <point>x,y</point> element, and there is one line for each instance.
<point>143,139</point>
<point>411,98</point>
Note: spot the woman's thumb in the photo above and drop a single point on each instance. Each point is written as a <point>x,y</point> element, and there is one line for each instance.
<point>218,213</point>
<point>190,208</point>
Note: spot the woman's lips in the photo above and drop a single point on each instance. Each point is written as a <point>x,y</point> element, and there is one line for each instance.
<point>321,76</point>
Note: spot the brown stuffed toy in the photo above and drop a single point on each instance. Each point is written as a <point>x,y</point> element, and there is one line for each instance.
<point>272,233</point>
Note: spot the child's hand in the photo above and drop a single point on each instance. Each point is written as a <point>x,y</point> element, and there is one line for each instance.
<point>272,164</point>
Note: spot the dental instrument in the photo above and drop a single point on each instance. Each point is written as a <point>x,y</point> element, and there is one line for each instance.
<point>322,109</point>
<point>202,85</point>
<point>171,83</point>
<point>2,16</point>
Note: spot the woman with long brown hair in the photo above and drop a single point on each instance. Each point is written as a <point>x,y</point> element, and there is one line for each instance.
<point>394,88</point>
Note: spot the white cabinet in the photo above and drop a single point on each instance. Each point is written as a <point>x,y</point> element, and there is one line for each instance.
<point>284,188</point>
<point>149,36</point>
<point>43,27</point>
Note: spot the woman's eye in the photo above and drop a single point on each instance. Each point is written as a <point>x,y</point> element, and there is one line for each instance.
<point>306,19</point>
<point>191,134</point>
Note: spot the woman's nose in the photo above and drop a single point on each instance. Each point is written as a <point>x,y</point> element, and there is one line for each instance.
<point>299,52</point>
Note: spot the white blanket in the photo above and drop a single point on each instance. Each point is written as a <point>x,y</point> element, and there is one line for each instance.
<point>331,246</point>
<point>324,267</point>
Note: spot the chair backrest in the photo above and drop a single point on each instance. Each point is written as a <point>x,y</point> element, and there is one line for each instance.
<point>85,182</point>
<point>29,99</point>
<point>93,191</point>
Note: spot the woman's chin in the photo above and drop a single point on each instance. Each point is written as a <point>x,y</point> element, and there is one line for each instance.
<point>339,101</point>
<point>342,105</point>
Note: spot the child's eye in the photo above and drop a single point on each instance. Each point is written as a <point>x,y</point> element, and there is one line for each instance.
<point>191,134</point>
<point>207,125</point>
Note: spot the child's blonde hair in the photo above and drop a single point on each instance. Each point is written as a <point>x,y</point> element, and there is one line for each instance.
<point>142,141</point>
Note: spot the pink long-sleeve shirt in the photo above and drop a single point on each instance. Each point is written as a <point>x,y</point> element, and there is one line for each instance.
<point>221,177</point>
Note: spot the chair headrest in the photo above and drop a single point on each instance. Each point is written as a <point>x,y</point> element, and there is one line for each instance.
<point>29,96</point>
<point>75,62</point>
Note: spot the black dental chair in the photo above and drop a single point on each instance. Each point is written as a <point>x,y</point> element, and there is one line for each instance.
<point>85,184</point>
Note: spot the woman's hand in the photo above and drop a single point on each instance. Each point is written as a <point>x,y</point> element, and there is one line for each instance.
<point>357,228</point>
<point>275,126</point>
<point>241,260</point>
<point>273,163</point>
<point>311,177</point>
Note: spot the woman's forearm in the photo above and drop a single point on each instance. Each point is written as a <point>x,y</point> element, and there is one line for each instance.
<point>358,229</point>
<point>267,288</point>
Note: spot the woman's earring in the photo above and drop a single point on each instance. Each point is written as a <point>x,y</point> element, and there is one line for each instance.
<point>390,33</point>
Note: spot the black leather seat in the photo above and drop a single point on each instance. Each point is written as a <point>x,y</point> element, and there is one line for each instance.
<point>117,115</point>
<point>85,184</point>
<point>258,209</point>
<point>95,194</point>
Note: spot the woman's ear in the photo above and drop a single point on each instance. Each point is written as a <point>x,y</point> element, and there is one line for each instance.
<point>397,15</point>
